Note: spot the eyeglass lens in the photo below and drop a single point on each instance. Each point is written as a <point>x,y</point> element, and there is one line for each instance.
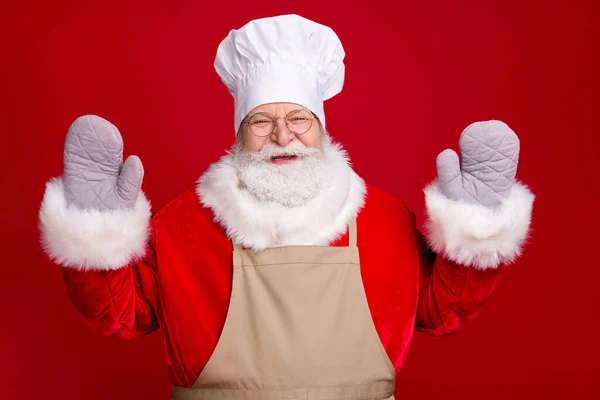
<point>263,124</point>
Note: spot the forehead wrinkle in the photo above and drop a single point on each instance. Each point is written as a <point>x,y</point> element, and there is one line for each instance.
<point>286,107</point>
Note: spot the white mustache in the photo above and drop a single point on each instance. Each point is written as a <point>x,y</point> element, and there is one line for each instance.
<point>295,148</point>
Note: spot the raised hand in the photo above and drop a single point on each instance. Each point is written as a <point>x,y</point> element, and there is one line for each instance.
<point>94,173</point>
<point>487,168</point>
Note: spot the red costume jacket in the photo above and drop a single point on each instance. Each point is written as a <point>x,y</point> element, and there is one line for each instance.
<point>183,283</point>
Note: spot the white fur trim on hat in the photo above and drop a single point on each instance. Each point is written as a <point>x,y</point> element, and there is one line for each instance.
<point>92,239</point>
<point>478,236</point>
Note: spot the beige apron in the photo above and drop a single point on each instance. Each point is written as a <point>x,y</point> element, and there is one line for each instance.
<point>298,327</point>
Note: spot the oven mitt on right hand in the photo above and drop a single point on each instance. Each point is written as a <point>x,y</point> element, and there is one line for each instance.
<point>94,173</point>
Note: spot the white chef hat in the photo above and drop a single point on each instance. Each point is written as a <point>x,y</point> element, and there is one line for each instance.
<point>285,58</point>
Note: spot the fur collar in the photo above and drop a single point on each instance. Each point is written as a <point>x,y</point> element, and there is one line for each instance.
<point>258,224</point>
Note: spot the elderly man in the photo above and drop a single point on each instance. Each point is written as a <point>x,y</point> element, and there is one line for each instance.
<point>280,274</point>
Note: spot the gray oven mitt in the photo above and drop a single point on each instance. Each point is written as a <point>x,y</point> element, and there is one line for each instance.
<point>489,156</point>
<point>94,175</point>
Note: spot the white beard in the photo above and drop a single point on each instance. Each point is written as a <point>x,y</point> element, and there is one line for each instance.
<point>290,185</point>
<point>259,224</point>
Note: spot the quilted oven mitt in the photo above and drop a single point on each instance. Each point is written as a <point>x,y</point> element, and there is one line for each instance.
<point>94,173</point>
<point>486,172</point>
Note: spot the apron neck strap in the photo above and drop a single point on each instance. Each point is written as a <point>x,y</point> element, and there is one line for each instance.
<point>352,233</point>
<point>352,236</point>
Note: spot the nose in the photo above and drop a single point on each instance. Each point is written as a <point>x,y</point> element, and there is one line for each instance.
<point>281,134</point>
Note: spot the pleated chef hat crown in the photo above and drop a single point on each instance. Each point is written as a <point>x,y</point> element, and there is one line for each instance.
<point>285,58</point>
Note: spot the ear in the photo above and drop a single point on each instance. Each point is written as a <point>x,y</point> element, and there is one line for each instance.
<point>321,129</point>
<point>239,136</point>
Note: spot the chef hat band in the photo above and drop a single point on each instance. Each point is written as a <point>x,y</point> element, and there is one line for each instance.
<point>281,59</point>
<point>278,83</point>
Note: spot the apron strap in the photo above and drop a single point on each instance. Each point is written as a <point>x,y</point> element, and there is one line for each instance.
<point>352,234</point>
<point>236,246</point>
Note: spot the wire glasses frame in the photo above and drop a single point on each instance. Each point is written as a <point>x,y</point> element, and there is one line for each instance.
<point>297,121</point>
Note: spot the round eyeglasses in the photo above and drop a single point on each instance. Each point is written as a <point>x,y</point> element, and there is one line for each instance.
<point>263,124</point>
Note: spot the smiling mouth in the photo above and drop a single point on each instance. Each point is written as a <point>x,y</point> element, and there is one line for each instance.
<point>283,159</point>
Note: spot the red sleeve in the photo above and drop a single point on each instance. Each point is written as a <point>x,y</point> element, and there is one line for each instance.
<point>118,302</point>
<point>450,294</point>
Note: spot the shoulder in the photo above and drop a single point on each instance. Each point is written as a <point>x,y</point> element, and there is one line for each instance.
<point>379,203</point>
<point>386,217</point>
<point>185,209</point>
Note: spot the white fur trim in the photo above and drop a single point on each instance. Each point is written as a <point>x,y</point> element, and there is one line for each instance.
<point>258,224</point>
<point>91,239</point>
<point>477,236</point>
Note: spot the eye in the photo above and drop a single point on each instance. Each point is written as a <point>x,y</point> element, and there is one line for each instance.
<point>299,117</point>
<point>260,120</point>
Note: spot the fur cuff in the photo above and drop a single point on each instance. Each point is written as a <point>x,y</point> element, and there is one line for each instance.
<point>91,239</point>
<point>477,236</point>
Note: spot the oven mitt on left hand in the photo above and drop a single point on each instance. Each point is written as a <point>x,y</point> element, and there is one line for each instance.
<point>486,172</point>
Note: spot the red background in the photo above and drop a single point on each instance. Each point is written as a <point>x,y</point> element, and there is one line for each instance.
<point>416,76</point>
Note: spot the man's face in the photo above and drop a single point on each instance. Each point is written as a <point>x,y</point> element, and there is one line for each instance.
<point>282,166</point>
<point>281,135</point>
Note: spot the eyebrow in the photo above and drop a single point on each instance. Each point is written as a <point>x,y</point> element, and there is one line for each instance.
<point>266,112</point>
